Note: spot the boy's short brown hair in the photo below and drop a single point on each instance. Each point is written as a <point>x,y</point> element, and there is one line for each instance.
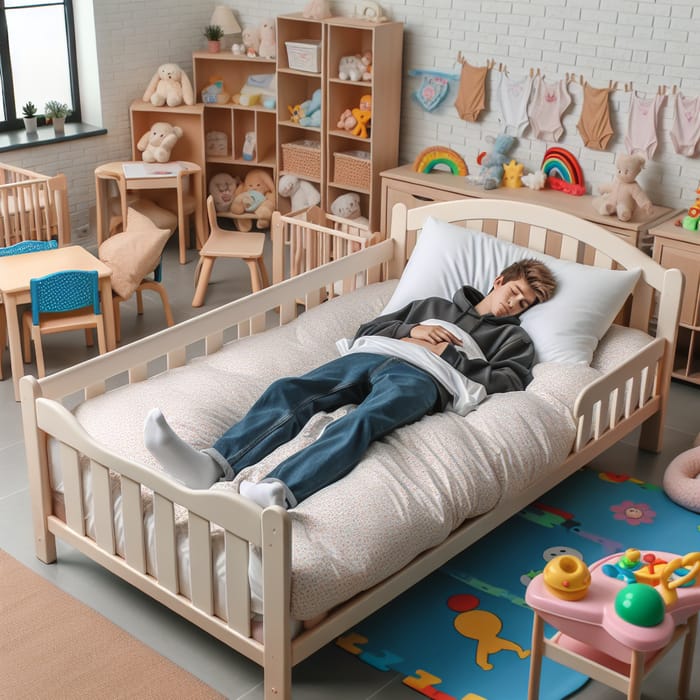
<point>536,274</point>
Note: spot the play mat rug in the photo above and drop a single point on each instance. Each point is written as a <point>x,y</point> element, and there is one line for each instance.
<point>463,633</point>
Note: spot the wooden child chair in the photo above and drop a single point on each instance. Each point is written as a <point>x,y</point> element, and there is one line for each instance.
<point>62,301</point>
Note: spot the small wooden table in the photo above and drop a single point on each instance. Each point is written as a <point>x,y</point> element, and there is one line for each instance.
<point>16,271</point>
<point>184,170</point>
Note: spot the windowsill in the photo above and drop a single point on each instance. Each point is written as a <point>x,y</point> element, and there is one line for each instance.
<point>14,140</point>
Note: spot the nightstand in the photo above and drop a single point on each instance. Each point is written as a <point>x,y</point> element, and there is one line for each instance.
<point>674,246</point>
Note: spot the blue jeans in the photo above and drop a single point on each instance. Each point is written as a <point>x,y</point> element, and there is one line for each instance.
<point>388,392</point>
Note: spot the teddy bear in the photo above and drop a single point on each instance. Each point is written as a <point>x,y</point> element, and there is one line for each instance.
<point>256,194</point>
<point>624,193</point>
<point>492,163</point>
<point>302,193</point>
<point>268,42</point>
<point>354,68</point>
<point>251,40</point>
<point>317,9</point>
<point>158,142</point>
<point>222,188</point>
<point>169,85</point>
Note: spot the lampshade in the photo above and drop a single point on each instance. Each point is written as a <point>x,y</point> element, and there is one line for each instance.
<point>224,17</point>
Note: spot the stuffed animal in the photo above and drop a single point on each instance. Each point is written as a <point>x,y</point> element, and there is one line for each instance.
<point>311,110</point>
<point>158,142</point>
<point>354,68</point>
<point>363,115</point>
<point>347,206</point>
<point>222,188</point>
<point>251,40</point>
<point>317,9</point>
<point>302,193</point>
<point>622,194</point>
<point>492,163</point>
<point>347,121</point>
<point>256,194</point>
<point>170,85</point>
<point>268,42</point>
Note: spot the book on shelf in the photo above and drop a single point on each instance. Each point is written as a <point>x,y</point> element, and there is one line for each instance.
<point>138,169</point>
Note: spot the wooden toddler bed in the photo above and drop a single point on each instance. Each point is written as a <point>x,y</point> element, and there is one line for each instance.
<point>107,502</point>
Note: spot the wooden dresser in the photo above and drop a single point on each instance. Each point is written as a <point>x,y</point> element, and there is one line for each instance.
<point>676,247</point>
<point>414,189</point>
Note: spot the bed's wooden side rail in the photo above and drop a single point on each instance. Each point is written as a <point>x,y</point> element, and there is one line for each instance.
<point>206,333</point>
<point>32,206</point>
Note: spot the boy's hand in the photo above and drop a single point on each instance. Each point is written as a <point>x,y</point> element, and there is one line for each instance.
<point>437,348</point>
<point>434,335</point>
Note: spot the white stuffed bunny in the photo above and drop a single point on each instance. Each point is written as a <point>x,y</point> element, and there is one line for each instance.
<point>302,193</point>
<point>170,85</point>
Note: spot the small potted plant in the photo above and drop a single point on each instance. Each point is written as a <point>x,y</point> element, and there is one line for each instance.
<point>214,34</point>
<point>57,112</point>
<point>29,116</point>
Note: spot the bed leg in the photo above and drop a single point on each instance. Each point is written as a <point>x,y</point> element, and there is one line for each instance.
<point>651,437</point>
<point>37,471</point>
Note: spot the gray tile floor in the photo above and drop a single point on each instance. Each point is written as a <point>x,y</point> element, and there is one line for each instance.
<point>330,673</point>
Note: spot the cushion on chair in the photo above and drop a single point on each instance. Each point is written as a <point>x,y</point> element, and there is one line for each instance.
<point>134,253</point>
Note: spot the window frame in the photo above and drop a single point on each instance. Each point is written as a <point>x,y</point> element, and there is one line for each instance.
<point>13,112</point>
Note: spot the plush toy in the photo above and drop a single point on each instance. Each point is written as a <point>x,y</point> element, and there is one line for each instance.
<point>222,188</point>
<point>158,142</point>
<point>347,121</point>
<point>355,68</point>
<point>513,174</point>
<point>363,115</point>
<point>622,194</point>
<point>170,85</point>
<point>302,193</point>
<point>317,9</point>
<point>535,181</point>
<point>311,110</point>
<point>492,163</point>
<point>347,206</point>
<point>251,40</point>
<point>256,194</point>
<point>268,41</point>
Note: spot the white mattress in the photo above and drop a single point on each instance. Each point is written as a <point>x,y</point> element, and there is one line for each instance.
<point>411,489</point>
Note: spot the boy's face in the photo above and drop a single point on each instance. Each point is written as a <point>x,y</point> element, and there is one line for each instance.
<point>510,298</point>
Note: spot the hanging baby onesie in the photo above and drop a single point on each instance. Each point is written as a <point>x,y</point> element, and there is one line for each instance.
<point>594,123</point>
<point>513,95</point>
<point>685,131</point>
<point>549,102</point>
<point>641,124</point>
<point>472,90</point>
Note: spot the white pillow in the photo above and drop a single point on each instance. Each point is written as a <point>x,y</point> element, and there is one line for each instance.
<point>567,328</point>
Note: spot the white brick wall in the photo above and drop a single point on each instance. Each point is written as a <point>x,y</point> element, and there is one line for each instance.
<point>647,42</point>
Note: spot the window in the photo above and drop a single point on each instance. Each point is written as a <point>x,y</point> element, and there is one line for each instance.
<point>37,58</point>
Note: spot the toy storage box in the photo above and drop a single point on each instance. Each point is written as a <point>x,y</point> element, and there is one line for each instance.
<point>352,169</point>
<point>302,158</point>
<point>304,55</point>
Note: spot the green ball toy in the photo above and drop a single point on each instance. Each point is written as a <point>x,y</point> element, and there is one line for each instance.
<point>641,605</point>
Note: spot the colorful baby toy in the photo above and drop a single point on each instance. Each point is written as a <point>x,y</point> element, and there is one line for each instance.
<point>691,221</point>
<point>616,614</point>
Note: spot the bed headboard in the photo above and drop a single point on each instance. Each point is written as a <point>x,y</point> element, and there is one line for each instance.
<point>555,233</point>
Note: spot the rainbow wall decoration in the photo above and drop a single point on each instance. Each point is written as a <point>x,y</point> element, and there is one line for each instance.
<point>433,156</point>
<point>563,171</point>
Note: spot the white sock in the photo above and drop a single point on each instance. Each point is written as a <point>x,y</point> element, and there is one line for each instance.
<point>264,493</point>
<point>195,469</point>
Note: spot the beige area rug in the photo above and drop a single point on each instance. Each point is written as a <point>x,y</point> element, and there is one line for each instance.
<point>53,646</point>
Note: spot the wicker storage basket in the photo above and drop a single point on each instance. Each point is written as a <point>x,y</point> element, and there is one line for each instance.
<point>302,158</point>
<point>352,169</point>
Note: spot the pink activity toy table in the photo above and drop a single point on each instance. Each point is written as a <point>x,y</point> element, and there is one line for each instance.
<point>617,618</point>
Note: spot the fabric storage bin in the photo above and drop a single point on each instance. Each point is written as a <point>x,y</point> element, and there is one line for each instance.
<point>302,158</point>
<point>352,169</point>
<point>304,55</point>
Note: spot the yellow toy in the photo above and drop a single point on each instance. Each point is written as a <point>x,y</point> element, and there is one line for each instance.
<point>363,115</point>
<point>512,174</point>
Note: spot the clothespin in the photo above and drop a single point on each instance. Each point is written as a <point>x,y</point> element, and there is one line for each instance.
<point>628,87</point>
<point>580,79</point>
<point>674,89</point>
<point>612,85</point>
<point>460,58</point>
<point>661,90</point>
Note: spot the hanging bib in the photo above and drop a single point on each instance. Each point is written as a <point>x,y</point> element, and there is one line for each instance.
<point>432,91</point>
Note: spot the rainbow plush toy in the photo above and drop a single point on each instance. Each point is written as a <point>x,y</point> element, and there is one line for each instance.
<point>563,171</point>
<point>433,156</point>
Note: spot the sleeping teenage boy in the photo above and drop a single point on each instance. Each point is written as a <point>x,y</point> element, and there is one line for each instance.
<point>432,355</point>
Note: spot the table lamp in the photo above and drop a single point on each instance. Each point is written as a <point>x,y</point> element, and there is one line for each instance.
<point>224,17</point>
